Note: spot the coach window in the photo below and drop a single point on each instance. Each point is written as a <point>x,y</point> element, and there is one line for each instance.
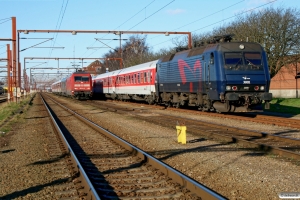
<point>148,76</point>
<point>142,77</point>
<point>145,77</point>
<point>138,78</point>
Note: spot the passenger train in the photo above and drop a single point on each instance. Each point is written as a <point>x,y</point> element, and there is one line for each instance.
<point>78,85</point>
<point>222,77</point>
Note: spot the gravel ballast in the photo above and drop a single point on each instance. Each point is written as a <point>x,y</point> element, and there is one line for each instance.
<point>231,170</point>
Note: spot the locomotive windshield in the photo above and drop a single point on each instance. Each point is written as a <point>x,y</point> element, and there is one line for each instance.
<point>81,78</point>
<point>243,61</point>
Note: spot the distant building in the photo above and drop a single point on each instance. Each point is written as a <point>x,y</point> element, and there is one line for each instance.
<point>284,84</point>
<point>94,68</point>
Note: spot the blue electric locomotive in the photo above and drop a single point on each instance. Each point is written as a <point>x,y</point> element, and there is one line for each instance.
<point>222,77</point>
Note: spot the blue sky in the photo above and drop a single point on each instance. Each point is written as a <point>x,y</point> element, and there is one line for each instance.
<point>196,16</point>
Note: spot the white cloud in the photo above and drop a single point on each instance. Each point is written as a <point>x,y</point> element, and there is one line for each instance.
<point>175,11</point>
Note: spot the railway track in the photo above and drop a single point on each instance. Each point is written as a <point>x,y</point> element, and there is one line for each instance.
<point>3,98</point>
<point>252,117</point>
<point>108,167</point>
<point>269,144</point>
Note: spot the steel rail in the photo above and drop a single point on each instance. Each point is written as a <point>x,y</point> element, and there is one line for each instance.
<point>88,189</point>
<point>3,99</point>
<point>190,184</point>
<point>230,138</point>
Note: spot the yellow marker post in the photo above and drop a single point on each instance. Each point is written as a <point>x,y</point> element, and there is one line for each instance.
<point>181,134</point>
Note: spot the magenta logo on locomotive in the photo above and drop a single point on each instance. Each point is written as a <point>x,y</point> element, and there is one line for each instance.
<point>197,65</point>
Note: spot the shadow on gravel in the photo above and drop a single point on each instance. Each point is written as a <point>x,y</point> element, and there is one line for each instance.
<point>34,189</point>
<point>255,154</point>
<point>7,151</point>
<point>93,113</point>
<point>196,140</point>
<point>42,162</point>
<point>285,132</point>
<point>36,117</point>
<point>210,148</point>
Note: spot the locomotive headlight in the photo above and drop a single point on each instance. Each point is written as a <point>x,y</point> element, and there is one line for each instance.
<point>228,87</point>
<point>234,88</point>
<point>262,87</point>
<point>256,88</point>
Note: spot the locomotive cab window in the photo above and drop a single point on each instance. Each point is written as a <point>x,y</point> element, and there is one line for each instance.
<point>248,61</point>
<point>253,61</point>
<point>81,78</point>
<point>233,60</point>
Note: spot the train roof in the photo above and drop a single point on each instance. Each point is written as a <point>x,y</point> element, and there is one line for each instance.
<point>223,46</point>
<point>140,67</point>
<point>76,73</point>
<point>56,82</point>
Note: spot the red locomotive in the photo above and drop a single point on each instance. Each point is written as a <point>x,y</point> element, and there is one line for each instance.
<point>78,85</point>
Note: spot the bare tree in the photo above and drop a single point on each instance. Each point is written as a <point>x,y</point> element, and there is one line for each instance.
<point>134,51</point>
<point>277,30</point>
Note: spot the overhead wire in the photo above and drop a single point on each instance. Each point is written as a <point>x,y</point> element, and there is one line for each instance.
<point>151,14</point>
<point>136,14</point>
<point>203,17</point>
<point>55,34</point>
<point>123,24</point>
<point>7,19</point>
<point>57,28</point>
<point>222,20</point>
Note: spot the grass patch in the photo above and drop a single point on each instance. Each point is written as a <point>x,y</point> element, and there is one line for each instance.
<point>289,106</point>
<point>8,111</point>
